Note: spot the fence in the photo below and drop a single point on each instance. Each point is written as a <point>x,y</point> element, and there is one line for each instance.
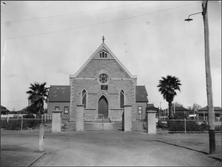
<point>23,122</point>
<point>186,126</point>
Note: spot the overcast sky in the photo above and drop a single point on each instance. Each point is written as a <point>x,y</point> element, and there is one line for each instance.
<point>48,41</point>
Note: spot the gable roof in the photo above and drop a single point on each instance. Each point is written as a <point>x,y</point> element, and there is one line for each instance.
<point>141,94</point>
<point>180,109</point>
<point>102,47</point>
<point>206,109</point>
<point>152,107</point>
<point>4,109</point>
<point>59,93</point>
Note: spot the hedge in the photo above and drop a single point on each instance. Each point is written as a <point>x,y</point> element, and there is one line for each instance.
<point>178,125</point>
<point>16,124</point>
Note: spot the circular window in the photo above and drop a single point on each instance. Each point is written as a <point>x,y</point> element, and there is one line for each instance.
<point>103,78</point>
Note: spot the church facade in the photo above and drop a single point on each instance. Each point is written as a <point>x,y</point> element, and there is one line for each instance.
<point>103,85</point>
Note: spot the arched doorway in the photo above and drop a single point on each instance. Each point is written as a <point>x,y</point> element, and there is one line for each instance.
<point>103,107</point>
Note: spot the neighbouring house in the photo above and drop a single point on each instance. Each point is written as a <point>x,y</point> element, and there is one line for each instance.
<point>4,110</point>
<point>141,102</point>
<point>103,86</point>
<point>181,109</point>
<point>203,114</point>
<point>59,99</point>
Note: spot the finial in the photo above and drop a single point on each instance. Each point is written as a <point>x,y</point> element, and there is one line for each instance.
<point>103,39</point>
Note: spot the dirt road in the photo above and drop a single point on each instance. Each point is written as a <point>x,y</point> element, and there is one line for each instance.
<point>106,149</point>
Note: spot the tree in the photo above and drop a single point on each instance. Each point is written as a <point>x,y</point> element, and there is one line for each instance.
<point>176,104</point>
<point>167,87</point>
<point>38,94</point>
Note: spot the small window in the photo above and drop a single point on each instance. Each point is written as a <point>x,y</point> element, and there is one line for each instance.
<point>121,99</point>
<point>66,109</point>
<point>84,98</point>
<point>100,55</point>
<point>140,109</point>
<point>57,108</point>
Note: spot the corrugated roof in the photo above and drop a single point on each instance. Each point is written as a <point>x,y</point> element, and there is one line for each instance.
<point>180,109</point>
<point>141,94</point>
<point>206,109</point>
<point>59,93</point>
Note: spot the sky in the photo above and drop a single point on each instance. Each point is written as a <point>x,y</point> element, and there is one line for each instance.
<point>48,41</point>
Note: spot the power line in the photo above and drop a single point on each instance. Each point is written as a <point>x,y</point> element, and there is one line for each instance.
<point>90,25</point>
<point>75,13</point>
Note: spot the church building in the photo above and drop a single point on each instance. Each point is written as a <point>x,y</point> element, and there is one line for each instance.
<point>103,85</point>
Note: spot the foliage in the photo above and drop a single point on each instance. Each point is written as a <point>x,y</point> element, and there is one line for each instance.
<point>167,87</point>
<point>29,116</point>
<point>162,124</point>
<point>179,116</point>
<point>11,125</point>
<point>176,104</point>
<point>178,125</point>
<point>32,109</point>
<point>16,124</point>
<point>38,94</point>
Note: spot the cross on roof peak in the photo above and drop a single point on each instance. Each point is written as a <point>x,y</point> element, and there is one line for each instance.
<point>103,39</point>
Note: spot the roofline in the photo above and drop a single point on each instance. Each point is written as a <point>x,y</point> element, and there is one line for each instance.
<point>60,101</point>
<point>91,57</point>
<point>59,85</point>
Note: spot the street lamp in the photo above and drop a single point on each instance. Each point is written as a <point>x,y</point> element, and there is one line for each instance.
<point>189,19</point>
<point>211,114</point>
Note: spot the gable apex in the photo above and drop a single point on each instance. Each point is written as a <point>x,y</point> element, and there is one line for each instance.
<point>101,48</point>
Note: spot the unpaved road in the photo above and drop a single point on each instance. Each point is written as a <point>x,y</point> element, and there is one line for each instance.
<point>105,148</point>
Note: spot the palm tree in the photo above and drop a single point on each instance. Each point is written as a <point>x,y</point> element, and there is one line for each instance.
<point>38,94</point>
<point>167,87</point>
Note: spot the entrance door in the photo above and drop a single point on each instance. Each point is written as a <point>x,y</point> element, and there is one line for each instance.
<point>103,107</point>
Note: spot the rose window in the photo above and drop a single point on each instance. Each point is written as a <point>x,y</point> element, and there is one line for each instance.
<point>103,78</point>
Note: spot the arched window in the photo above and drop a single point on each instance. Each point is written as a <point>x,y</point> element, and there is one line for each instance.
<point>84,98</point>
<point>121,99</point>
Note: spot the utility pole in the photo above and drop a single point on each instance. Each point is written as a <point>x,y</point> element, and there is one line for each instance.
<point>211,115</point>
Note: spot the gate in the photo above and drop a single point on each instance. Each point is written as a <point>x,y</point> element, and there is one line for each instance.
<point>97,122</point>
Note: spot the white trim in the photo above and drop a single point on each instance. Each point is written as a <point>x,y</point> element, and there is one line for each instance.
<point>91,57</point>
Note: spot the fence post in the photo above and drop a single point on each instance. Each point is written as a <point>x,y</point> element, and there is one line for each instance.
<point>22,122</point>
<point>185,126</point>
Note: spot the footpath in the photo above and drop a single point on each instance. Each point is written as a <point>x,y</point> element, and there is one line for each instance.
<point>196,142</point>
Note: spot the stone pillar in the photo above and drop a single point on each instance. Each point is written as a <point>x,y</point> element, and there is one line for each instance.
<point>56,121</point>
<point>80,118</point>
<point>127,122</point>
<point>151,122</point>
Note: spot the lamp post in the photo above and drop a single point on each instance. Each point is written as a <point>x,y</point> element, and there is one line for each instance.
<point>211,114</point>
